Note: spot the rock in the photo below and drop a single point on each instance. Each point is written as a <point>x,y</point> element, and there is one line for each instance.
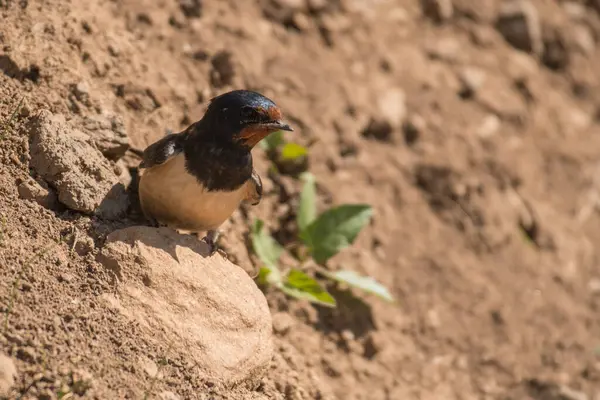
<point>191,8</point>
<point>32,190</point>
<point>82,91</point>
<point>8,374</point>
<point>445,49</point>
<point>108,133</point>
<point>390,115</point>
<point>283,11</point>
<point>438,10</point>
<point>83,178</point>
<point>282,323</point>
<point>223,68</point>
<point>471,79</point>
<point>392,106</point>
<point>519,22</point>
<point>413,128</point>
<point>555,55</point>
<point>489,126</point>
<point>594,286</point>
<point>205,307</point>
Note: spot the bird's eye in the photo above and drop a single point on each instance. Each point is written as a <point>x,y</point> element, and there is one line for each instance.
<point>250,114</point>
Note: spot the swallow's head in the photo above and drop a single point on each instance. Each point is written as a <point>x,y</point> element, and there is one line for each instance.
<point>244,117</point>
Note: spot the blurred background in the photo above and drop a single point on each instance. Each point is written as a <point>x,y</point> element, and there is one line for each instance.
<point>471,127</point>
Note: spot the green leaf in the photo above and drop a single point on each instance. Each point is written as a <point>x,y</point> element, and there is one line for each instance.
<point>272,141</point>
<point>335,230</point>
<point>265,247</point>
<point>301,286</point>
<point>307,211</point>
<point>268,276</point>
<point>293,151</point>
<point>365,283</point>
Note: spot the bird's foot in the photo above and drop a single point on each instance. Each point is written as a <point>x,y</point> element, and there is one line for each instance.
<point>211,240</point>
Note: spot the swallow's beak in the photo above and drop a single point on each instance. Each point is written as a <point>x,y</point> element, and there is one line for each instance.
<point>253,134</point>
<point>278,126</point>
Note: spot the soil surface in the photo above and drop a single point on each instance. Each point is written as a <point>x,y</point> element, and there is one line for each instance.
<point>472,128</point>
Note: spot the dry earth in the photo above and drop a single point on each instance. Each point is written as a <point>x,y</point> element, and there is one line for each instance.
<point>471,127</point>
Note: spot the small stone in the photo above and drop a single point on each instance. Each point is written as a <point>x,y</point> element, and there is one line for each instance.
<point>489,126</point>
<point>8,374</point>
<point>594,286</point>
<point>555,55</point>
<point>519,23</point>
<point>301,21</point>
<point>113,50</point>
<point>25,110</point>
<point>438,10</point>
<point>446,49</point>
<point>84,245</point>
<point>191,8</point>
<point>413,128</point>
<point>282,323</point>
<point>373,345</point>
<point>471,79</point>
<point>82,91</point>
<point>392,106</point>
<point>149,366</point>
<point>32,190</point>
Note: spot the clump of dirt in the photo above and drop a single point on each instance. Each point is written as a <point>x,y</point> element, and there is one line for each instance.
<point>472,130</point>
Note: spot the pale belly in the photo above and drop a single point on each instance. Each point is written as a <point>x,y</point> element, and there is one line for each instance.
<point>175,198</point>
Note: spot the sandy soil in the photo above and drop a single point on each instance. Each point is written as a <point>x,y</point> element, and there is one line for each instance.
<point>478,148</point>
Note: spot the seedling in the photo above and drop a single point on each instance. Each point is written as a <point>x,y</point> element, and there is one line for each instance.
<point>288,157</point>
<point>323,236</point>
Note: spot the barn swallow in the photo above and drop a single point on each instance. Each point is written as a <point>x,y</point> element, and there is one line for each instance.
<point>194,180</point>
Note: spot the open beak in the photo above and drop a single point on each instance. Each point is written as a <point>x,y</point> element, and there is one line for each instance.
<point>255,133</point>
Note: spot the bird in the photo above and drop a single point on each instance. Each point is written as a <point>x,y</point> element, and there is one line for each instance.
<point>195,179</point>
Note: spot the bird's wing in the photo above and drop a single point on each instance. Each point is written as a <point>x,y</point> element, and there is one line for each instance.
<point>254,189</point>
<point>161,151</point>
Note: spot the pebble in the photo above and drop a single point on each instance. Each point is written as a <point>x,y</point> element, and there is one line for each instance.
<point>438,10</point>
<point>489,126</point>
<point>471,79</point>
<point>519,23</point>
<point>191,8</point>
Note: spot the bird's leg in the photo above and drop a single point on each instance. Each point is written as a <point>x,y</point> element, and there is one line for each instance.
<point>211,239</point>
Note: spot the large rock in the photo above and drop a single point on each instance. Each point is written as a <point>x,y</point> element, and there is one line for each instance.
<point>84,179</point>
<point>204,307</point>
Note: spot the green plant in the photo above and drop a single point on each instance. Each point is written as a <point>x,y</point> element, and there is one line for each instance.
<point>288,157</point>
<point>323,236</point>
